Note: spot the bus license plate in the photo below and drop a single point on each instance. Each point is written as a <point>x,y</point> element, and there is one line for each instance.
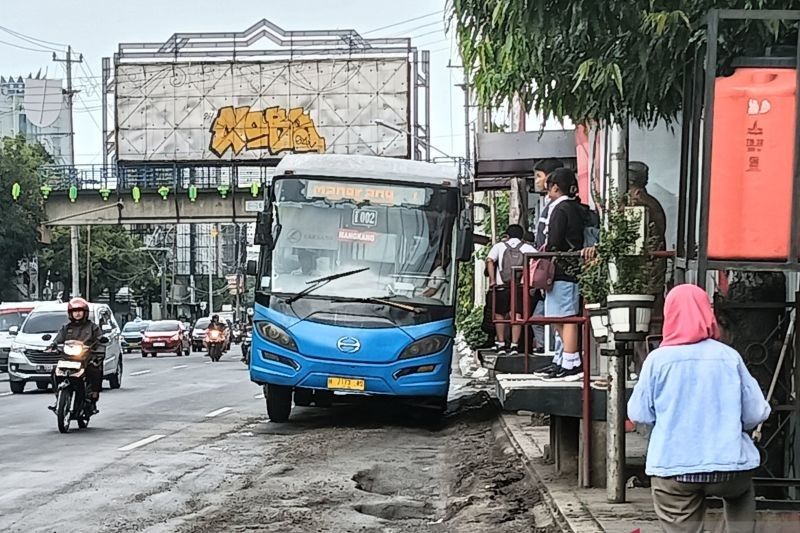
<point>345,383</point>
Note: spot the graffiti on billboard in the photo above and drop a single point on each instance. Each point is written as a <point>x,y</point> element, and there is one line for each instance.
<point>273,129</point>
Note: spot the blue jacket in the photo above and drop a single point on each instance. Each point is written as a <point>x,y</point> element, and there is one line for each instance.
<point>700,400</point>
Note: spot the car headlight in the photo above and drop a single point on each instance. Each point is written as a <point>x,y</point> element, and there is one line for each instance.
<point>276,335</point>
<point>17,347</point>
<point>425,346</point>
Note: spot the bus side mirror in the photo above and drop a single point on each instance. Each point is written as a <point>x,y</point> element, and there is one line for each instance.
<point>252,268</point>
<point>13,330</point>
<point>263,234</point>
<point>465,244</point>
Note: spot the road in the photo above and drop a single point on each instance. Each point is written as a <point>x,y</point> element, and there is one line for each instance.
<point>185,446</point>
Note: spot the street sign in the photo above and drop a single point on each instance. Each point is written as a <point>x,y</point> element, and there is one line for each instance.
<point>254,206</point>
<point>203,306</point>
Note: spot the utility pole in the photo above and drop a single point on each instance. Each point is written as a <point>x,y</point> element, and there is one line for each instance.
<point>518,198</point>
<point>237,253</point>
<point>76,288</point>
<point>615,405</point>
<point>88,260</point>
<point>164,286</point>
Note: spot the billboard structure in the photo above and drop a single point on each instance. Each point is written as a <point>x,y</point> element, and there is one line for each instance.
<point>210,98</point>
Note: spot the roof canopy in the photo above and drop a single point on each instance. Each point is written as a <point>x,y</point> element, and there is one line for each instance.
<point>502,156</point>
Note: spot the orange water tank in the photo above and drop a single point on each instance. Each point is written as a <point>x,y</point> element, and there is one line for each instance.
<point>751,165</point>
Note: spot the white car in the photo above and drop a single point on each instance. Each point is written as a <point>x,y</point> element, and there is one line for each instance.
<point>28,360</point>
<point>11,314</point>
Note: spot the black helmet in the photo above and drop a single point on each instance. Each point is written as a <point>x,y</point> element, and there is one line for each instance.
<point>215,318</point>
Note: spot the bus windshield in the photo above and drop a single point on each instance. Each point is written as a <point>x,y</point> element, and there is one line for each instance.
<point>403,235</point>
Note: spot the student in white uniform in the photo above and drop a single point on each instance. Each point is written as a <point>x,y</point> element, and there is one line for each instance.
<point>499,256</point>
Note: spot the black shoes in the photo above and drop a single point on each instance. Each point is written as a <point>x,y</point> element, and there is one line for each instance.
<point>573,374</point>
<point>547,372</point>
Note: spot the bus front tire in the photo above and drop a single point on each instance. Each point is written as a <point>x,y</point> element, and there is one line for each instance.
<point>279,402</point>
<point>303,397</point>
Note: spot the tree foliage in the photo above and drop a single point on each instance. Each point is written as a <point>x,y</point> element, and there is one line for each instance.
<point>116,261</point>
<point>20,218</point>
<point>591,61</point>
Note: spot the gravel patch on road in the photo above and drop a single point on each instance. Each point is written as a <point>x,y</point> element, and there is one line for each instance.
<point>362,469</point>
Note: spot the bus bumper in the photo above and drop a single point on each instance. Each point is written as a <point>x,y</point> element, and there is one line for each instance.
<point>419,376</point>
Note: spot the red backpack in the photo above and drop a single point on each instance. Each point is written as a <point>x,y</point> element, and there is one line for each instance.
<point>542,273</point>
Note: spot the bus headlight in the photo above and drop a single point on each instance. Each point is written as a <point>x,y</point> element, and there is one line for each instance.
<point>425,346</point>
<point>276,335</point>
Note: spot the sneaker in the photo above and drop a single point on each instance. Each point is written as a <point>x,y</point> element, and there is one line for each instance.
<point>547,371</point>
<point>573,374</point>
<point>500,349</point>
<point>538,351</point>
<point>513,350</point>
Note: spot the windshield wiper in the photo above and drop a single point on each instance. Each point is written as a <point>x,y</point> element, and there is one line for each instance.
<point>404,307</point>
<point>380,301</point>
<point>315,284</point>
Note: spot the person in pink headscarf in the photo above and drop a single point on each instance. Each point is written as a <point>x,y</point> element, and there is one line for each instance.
<point>701,400</point>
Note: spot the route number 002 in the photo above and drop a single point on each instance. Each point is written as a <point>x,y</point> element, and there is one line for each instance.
<point>367,218</point>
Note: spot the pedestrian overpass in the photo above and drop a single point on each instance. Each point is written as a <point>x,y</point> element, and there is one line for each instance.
<point>97,195</point>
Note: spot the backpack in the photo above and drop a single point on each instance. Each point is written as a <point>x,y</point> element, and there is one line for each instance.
<point>591,226</point>
<point>512,257</point>
<point>542,274</point>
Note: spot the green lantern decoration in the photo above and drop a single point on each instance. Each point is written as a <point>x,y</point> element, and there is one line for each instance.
<point>192,192</point>
<point>15,191</point>
<point>45,190</point>
<point>223,190</point>
<point>254,188</point>
<point>163,191</point>
<point>136,192</point>
<point>73,193</point>
<point>105,193</point>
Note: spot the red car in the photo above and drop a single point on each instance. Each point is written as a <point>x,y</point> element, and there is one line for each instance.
<point>166,336</point>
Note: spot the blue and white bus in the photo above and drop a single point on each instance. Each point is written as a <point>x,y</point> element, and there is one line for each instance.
<point>357,280</point>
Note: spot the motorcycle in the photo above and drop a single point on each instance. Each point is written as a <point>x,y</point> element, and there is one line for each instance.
<point>72,388</point>
<point>246,344</point>
<point>237,335</point>
<point>214,342</point>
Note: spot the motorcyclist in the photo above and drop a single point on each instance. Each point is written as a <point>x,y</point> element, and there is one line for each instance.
<point>80,328</point>
<point>216,323</point>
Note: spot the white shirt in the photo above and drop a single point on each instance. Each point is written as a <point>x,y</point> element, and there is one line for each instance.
<point>496,255</point>
<point>438,282</point>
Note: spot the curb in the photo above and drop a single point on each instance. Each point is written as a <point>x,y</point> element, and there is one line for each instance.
<point>559,519</point>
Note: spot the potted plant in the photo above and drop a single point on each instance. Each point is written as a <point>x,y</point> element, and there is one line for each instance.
<point>615,284</point>
<point>593,280</point>
<point>626,247</point>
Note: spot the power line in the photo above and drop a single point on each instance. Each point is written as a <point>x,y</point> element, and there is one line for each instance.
<point>29,40</point>
<point>31,37</point>
<point>428,33</point>
<point>428,25</point>
<point>26,47</point>
<point>403,22</point>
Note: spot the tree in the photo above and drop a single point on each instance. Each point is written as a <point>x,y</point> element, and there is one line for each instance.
<point>20,217</point>
<point>116,261</point>
<point>615,60</point>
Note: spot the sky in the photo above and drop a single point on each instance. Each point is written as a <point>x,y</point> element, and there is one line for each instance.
<point>95,27</point>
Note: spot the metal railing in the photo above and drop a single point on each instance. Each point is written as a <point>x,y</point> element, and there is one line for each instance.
<point>177,177</point>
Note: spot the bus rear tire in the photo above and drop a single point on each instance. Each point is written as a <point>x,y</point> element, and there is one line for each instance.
<point>279,402</point>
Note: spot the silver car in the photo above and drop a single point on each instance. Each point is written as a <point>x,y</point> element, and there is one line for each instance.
<point>28,360</point>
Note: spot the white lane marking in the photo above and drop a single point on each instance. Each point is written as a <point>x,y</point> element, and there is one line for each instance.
<point>179,366</point>
<point>6,394</point>
<point>209,362</point>
<point>218,412</point>
<point>140,372</point>
<point>140,443</point>
<point>259,396</point>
